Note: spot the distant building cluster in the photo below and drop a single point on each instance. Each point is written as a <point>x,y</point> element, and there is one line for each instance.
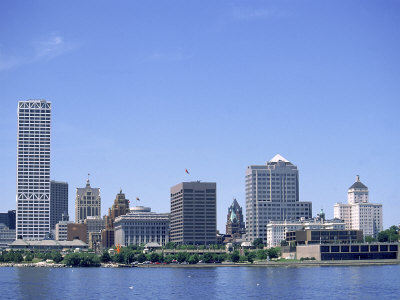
<point>274,213</point>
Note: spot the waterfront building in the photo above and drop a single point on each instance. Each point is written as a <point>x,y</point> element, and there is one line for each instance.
<point>119,208</point>
<point>234,223</point>
<point>48,245</point>
<point>77,231</point>
<point>359,213</point>
<point>272,194</point>
<point>323,236</point>
<point>277,230</point>
<point>62,230</point>
<point>58,202</point>
<point>33,169</point>
<point>87,203</point>
<point>141,226</point>
<point>8,219</point>
<point>194,213</point>
<point>349,251</point>
<point>7,236</point>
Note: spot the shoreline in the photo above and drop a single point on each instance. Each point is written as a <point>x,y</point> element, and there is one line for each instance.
<point>343,263</point>
<point>282,264</point>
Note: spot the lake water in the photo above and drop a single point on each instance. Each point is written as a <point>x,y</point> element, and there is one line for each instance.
<point>363,282</point>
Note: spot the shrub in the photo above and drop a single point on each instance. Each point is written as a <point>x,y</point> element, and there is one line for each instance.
<point>82,260</point>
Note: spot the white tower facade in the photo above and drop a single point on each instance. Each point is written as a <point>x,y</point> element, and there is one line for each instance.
<point>359,213</point>
<point>33,169</point>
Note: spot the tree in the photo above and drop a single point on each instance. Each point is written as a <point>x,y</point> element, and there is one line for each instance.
<point>72,259</point>
<point>284,243</point>
<point>154,257</point>
<point>118,258</point>
<point>235,256</point>
<point>370,239</point>
<point>274,252</point>
<point>169,258</point>
<point>141,258</point>
<point>105,257</point>
<point>193,259</point>
<point>389,235</point>
<point>261,254</point>
<point>251,256</point>
<point>258,243</point>
<point>56,256</point>
<point>129,257</point>
<point>18,257</point>
<point>82,260</point>
<point>170,245</point>
<point>208,258</point>
<point>181,257</point>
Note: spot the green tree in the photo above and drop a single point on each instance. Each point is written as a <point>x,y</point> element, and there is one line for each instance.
<point>129,257</point>
<point>284,243</point>
<point>181,257</point>
<point>154,257</point>
<point>193,259</point>
<point>251,256</point>
<point>274,252</point>
<point>169,258</point>
<point>118,258</point>
<point>72,259</point>
<point>261,254</point>
<point>56,256</point>
<point>389,235</point>
<point>208,258</point>
<point>370,239</point>
<point>141,258</point>
<point>18,257</point>
<point>170,245</point>
<point>105,257</point>
<point>258,243</point>
<point>235,256</point>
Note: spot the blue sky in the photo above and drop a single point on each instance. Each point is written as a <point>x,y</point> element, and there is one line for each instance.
<point>142,90</point>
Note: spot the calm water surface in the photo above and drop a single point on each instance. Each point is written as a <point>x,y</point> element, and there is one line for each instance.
<point>366,282</point>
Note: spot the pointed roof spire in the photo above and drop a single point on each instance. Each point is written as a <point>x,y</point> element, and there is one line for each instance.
<point>88,181</point>
<point>278,158</point>
<point>358,184</point>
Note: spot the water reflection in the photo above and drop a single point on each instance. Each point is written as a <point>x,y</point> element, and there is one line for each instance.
<point>33,283</point>
<point>208,283</point>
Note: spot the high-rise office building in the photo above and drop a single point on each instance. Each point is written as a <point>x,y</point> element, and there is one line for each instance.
<point>8,219</point>
<point>33,169</point>
<point>87,203</point>
<point>272,194</point>
<point>119,208</point>
<point>58,202</point>
<point>359,213</point>
<point>194,213</point>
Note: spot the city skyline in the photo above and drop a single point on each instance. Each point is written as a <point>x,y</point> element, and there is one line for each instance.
<point>208,88</point>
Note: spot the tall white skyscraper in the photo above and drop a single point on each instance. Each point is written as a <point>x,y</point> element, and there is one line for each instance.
<point>272,194</point>
<point>33,169</point>
<point>359,213</point>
